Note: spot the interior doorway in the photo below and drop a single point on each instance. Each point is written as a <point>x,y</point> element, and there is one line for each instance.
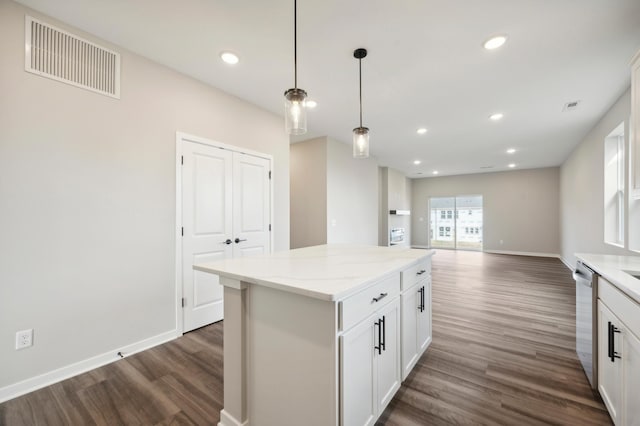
<point>456,222</point>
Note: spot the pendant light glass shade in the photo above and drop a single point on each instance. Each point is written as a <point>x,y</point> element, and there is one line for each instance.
<point>295,112</point>
<point>360,133</point>
<point>360,142</point>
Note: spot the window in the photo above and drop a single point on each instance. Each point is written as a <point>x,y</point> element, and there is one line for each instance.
<point>614,187</point>
<point>457,222</point>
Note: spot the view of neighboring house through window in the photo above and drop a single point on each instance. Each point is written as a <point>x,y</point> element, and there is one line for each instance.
<point>456,222</point>
<point>614,187</point>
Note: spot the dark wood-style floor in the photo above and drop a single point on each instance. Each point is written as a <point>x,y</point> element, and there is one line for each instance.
<point>503,353</point>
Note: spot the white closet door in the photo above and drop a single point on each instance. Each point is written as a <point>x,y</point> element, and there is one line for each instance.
<point>207,224</point>
<point>251,205</point>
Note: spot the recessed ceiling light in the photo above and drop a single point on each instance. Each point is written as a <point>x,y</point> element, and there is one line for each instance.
<point>421,131</point>
<point>310,103</point>
<point>229,58</point>
<point>511,151</point>
<point>497,116</point>
<point>512,165</point>
<point>495,42</point>
<point>435,172</point>
<point>416,162</point>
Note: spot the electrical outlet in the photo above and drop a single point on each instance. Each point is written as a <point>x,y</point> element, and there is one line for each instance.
<point>24,339</point>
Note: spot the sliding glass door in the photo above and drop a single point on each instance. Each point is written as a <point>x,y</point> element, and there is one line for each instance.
<point>456,222</point>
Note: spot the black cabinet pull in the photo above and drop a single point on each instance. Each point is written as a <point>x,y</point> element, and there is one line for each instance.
<point>383,342</point>
<point>612,349</point>
<point>421,299</point>
<point>227,241</point>
<point>379,298</point>
<point>239,240</point>
<point>422,271</point>
<point>379,347</point>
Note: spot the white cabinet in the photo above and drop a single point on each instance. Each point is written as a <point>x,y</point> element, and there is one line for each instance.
<point>370,365</point>
<point>609,370</point>
<point>619,354</point>
<point>416,314</point>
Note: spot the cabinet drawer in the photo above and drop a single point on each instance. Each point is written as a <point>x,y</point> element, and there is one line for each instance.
<point>620,304</point>
<point>355,308</point>
<point>415,273</point>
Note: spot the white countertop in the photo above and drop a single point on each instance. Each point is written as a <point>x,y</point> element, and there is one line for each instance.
<point>612,268</point>
<point>328,272</point>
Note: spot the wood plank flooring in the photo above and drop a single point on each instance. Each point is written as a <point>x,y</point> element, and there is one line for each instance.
<point>503,353</point>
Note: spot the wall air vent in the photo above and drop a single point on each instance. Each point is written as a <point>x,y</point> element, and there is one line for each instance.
<point>54,53</point>
<point>571,106</point>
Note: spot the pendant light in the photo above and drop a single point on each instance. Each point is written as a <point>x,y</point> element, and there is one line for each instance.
<point>360,134</point>
<point>295,113</point>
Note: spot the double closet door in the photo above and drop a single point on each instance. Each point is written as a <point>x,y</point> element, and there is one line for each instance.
<point>226,210</point>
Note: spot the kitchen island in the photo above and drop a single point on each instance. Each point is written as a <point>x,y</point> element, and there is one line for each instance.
<point>322,335</point>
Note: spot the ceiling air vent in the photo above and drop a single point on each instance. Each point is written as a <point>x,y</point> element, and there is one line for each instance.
<point>54,53</point>
<point>570,106</point>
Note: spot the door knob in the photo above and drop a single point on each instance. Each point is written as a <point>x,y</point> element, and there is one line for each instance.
<point>239,240</point>
<point>228,241</point>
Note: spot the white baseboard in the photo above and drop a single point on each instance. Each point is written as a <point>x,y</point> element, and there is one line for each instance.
<point>227,419</point>
<point>524,253</point>
<point>567,264</point>
<point>29,385</point>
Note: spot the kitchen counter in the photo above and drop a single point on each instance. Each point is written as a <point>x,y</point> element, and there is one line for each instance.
<point>613,269</point>
<point>313,336</point>
<point>327,272</point>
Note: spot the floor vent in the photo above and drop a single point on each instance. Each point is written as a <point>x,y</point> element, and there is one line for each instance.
<point>54,53</point>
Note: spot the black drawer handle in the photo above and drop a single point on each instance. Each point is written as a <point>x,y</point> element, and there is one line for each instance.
<point>383,343</point>
<point>379,347</point>
<point>379,298</point>
<point>612,350</point>
<point>422,271</point>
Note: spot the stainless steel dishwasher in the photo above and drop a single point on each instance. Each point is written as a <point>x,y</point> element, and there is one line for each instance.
<point>586,320</point>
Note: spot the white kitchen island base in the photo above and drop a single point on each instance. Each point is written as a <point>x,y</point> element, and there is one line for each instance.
<point>313,336</point>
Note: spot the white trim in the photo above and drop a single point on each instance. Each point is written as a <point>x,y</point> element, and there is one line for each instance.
<point>524,253</point>
<point>29,385</point>
<point>227,419</point>
<point>185,137</point>
<point>567,264</point>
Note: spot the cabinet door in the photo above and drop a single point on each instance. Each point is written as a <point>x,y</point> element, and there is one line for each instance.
<point>388,362</point>
<point>630,379</point>
<point>410,301</point>
<point>424,318</point>
<point>358,374</point>
<point>609,371</point>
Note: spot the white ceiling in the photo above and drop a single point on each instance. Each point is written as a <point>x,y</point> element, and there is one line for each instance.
<point>426,67</point>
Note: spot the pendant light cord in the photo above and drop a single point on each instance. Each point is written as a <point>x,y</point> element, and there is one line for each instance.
<point>295,44</point>
<point>360,72</point>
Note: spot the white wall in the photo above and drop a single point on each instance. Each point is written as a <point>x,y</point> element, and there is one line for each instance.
<point>324,174</point>
<point>521,208</point>
<point>582,189</point>
<point>396,195</point>
<point>309,193</point>
<point>87,201</point>
<point>352,196</point>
